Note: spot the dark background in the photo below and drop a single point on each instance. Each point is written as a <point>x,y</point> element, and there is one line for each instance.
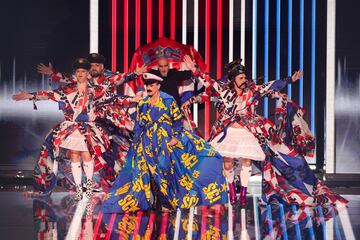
<point>347,91</point>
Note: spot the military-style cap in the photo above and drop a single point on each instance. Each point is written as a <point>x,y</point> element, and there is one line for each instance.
<point>150,78</point>
<point>234,68</point>
<point>81,63</point>
<point>96,58</point>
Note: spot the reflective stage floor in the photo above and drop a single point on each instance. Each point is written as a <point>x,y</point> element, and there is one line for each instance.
<point>60,217</point>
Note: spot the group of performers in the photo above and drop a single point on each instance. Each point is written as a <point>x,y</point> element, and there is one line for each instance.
<point>151,161</point>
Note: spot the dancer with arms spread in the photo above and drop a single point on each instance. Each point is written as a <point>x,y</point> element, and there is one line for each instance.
<point>166,164</point>
<point>79,136</point>
<point>240,133</point>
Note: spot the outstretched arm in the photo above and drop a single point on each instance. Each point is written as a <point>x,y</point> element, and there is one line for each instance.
<point>22,96</point>
<point>122,100</point>
<point>201,98</point>
<point>115,111</point>
<point>120,78</point>
<point>54,95</point>
<point>276,85</point>
<point>213,87</point>
<point>55,76</point>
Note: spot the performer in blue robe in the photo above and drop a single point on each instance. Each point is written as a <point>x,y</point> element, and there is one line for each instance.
<point>166,162</point>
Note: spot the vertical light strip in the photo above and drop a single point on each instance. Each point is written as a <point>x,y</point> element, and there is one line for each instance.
<point>126,35</point>
<point>207,61</point>
<point>217,219</point>
<point>336,225</point>
<point>254,39</point>
<point>172,19</point>
<point>243,219</point>
<point>122,233</point>
<point>184,22</point>
<point>231,30</point>
<point>256,217</point>
<point>161,18</point>
<point>177,224</point>
<point>97,224</point>
<point>283,222</point>
<point>196,24</point>
<point>322,221</point>
<point>42,82</point>
<point>219,43</point>
<point>266,54</point>
<point>309,223</point>
<point>204,213</point>
<point>242,31</point>
<point>295,218</point>
<point>184,41</point>
<point>345,221</point>
<point>269,220</point>
<point>148,22</point>
<point>219,40</point>
<point>137,225</point>
<point>330,86</point>
<point>190,223</point>
<point>94,26</point>
<point>113,34</point>
<point>301,54</point>
<point>278,38</point>
<point>111,224</point>
<point>164,222</point>
<point>137,23</point>
<point>313,60</point>
<point>150,225</point>
<point>76,223</point>
<point>230,233</point>
<point>196,46</point>
<point>289,44</point>
<point>14,75</point>
<point>25,81</point>
<point>329,227</point>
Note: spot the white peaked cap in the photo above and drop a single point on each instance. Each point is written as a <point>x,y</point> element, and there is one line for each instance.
<point>152,77</point>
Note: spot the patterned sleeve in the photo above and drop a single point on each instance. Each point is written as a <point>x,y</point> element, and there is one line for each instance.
<point>120,78</point>
<point>123,100</point>
<point>117,102</point>
<point>55,95</point>
<point>213,88</point>
<point>176,117</point>
<point>61,77</point>
<point>201,98</point>
<point>267,89</point>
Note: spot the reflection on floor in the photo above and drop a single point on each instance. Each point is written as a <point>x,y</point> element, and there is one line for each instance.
<point>60,217</point>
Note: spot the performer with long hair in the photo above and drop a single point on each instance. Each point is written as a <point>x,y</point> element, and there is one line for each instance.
<point>241,133</point>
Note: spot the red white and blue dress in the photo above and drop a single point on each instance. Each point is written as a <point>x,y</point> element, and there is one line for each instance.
<point>287,177</point>
<point>80,132</point>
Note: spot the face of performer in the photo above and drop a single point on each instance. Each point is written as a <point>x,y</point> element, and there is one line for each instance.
<point>81,75</point>
<point>240,81</point>
<point>152,88</point>
<point>96,69</point>
<point>163,66</point>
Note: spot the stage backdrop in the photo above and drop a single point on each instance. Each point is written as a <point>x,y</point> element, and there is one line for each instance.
<point>274,38</point>
<point>347,91</point>
<point>34,32</point>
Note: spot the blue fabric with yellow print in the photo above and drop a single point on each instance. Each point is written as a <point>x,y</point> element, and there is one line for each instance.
<point>188,174</point>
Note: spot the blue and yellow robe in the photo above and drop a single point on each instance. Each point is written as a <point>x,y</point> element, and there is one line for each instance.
<point>187,175</point>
